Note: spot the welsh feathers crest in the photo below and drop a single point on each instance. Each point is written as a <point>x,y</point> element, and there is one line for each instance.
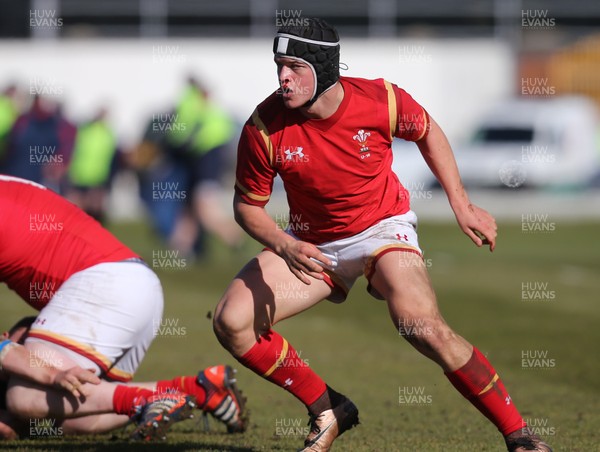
<point>361,136</point>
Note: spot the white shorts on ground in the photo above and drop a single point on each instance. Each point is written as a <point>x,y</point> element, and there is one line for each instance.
<point>103,318</point>
<point>357,255</point>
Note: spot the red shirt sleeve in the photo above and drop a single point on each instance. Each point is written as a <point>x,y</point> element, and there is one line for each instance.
<point>254,173</point>
<point>413,121</point>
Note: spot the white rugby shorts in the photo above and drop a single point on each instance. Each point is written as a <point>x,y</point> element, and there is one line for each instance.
<point>103,318</point>
<point>357,255</point>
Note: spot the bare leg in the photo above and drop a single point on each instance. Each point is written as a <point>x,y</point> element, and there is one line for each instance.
<point>28,400</point>
<point>99,423</point>
<point>401,278</point>
<point>262,294</point>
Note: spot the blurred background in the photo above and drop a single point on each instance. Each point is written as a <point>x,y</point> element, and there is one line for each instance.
<point>132,108</point>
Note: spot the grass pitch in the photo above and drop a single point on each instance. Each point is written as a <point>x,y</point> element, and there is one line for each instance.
<point>531,307</point>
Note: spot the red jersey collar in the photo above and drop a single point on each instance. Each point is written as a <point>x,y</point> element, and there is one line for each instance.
<point>325,124</point>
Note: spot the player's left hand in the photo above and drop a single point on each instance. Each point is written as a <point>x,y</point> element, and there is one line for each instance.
<point>74,379</point>
<point>478,224</point>
<point>304,259</point>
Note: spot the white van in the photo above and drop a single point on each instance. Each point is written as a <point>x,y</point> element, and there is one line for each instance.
<point>535,143</point>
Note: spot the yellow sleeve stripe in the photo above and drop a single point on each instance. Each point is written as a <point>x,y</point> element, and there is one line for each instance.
<point>426,125</point>
<point>490,386</point>
<point>246,192</point>
<point>282,355</point>
<point>393,110</point>
<point>264,133</point>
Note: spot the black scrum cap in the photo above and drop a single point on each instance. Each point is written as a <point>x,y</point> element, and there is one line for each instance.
<point>317,44</point>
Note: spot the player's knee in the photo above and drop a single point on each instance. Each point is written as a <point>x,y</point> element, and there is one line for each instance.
<point>221,328</point>
<point>229,325</point>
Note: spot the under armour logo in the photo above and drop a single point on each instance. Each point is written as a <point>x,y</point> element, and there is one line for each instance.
<point>288,382</point>
<point>289,154</point>
<point>402,237</point>
<point>507,400</point>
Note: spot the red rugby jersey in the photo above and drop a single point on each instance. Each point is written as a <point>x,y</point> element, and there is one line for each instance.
<point>337,172</point>
<point>44,239</point>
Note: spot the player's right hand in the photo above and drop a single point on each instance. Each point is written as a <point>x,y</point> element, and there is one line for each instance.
<point>300,258</point>
<point>74,379</point>
<point>478,224</point>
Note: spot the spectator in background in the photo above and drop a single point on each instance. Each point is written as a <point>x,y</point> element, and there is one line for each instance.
<point>201,132</point>
<point>157,171</point>
<point>92,166</point>
<point>8,115</point>
<point>40,144</point>
<point>180,163</point>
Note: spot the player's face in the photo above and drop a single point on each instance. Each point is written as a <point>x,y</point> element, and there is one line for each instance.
<point>296,80</point>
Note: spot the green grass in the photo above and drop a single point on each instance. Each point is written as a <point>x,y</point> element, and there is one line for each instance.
<point>355,348</point>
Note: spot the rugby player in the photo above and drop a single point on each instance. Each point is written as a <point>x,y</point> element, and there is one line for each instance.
<point>99,308</point>
<point>329,138</point>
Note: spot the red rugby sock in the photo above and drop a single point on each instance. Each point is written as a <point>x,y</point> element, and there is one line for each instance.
<point>273,358</point>
<point>187,384</point>
<point>479,383</point>
<point>125,398</point>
